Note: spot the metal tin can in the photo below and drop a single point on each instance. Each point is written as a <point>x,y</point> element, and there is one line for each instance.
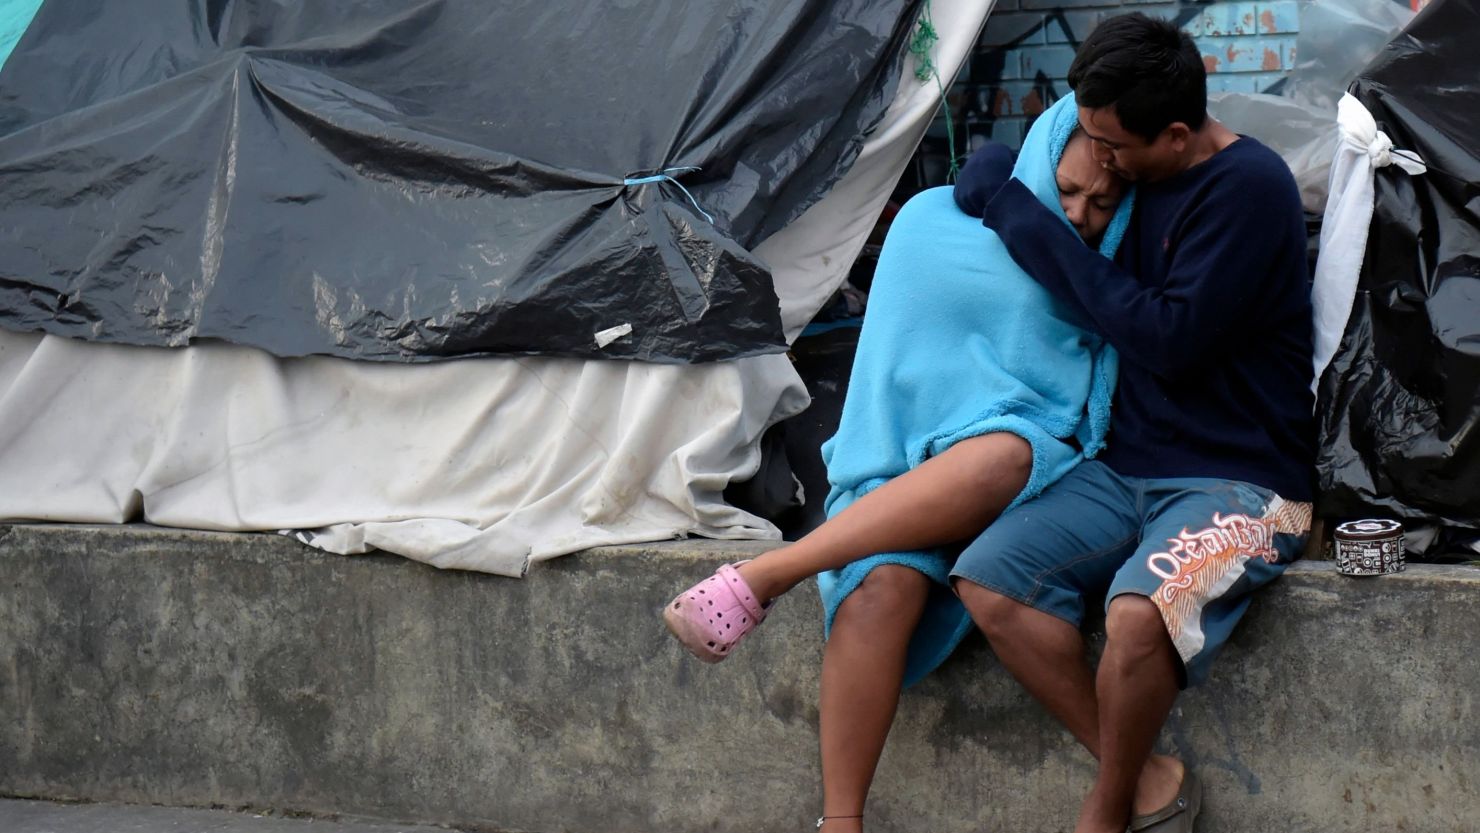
<point>1369,548</point>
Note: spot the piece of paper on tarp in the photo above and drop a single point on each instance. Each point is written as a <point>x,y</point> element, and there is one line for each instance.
<point>1399,404</point>
<point>406,182</point>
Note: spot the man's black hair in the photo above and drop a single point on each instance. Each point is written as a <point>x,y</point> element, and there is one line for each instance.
<point>1148,68</point>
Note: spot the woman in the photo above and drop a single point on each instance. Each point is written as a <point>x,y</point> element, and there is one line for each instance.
<point>972,391</point>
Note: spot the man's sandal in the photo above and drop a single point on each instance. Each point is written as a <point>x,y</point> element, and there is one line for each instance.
<point>1176,817</point>
<point>715,614</point>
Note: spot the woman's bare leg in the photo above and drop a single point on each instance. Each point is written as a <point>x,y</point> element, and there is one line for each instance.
<point>947,498</point>
<point>862,671</point>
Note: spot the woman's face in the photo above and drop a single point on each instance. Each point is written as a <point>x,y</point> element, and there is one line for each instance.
<point>1088,191</point>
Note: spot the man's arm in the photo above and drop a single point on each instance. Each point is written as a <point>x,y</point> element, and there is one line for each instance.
<point>1214,285</point>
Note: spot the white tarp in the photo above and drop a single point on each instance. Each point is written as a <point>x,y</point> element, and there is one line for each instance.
<point>480,464</point>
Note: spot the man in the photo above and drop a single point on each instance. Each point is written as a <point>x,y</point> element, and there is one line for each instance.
<point>1202,493</point>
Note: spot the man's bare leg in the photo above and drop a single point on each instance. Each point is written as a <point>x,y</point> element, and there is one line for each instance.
<point>862,671</point>
<point>1136,686</point>
<point>1047,655</point>
<point>947,498</point>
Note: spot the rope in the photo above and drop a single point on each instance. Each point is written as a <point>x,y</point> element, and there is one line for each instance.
<point>667,176</point>
<point>921,44</point>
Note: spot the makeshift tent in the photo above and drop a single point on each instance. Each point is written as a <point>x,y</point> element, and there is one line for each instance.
<point>482,463</point>
<point>391,181</point>
<point>1399,402</point>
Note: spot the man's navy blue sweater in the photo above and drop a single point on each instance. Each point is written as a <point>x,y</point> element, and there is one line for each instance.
<point>1208,304</point>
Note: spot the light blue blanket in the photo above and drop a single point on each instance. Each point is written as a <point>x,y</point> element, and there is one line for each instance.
<point>15,16</point>
<point>958,342</point>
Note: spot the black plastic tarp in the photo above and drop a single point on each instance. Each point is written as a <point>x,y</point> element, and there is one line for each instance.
<point>422,179</point>
<point>1400,403</point>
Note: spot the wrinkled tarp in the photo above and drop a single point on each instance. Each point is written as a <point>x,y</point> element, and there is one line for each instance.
<point>484,464</point>
<point>1337,40</point>
<point>1304,136</point>
<point>410,181</point>
<point>1399,405</point>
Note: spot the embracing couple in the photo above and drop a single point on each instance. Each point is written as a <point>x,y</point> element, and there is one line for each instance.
<point>1096,393</point>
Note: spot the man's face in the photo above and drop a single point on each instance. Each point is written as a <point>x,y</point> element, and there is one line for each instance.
<point>1088,192</point>
<point>1128,154</point>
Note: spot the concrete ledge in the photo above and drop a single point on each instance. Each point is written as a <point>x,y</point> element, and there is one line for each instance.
<point>18,816</point>
<point>197,669</point>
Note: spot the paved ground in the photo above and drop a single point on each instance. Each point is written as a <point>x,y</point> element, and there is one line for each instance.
<point>45,817</point>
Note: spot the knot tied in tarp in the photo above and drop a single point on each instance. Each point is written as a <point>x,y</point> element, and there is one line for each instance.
<point>667,175</point>
<point>1360,152</point>
<point>1359,128</point>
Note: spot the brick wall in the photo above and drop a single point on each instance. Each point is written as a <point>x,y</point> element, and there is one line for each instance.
<point>1020,64</point>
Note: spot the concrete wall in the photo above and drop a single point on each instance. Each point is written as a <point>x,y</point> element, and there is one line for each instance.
<point>204,669</point>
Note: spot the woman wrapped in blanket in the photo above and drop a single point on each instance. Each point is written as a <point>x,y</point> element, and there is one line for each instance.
<point>972,391</point>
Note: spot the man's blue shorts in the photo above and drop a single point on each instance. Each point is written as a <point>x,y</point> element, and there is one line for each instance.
<point>1196,547</point>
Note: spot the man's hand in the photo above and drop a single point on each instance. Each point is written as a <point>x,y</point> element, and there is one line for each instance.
<point>983,174</point>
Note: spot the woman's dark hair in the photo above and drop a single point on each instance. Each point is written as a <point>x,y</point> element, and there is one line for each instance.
<point>1148,68</point>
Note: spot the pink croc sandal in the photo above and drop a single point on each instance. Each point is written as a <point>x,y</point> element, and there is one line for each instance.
<point>715,614</point>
